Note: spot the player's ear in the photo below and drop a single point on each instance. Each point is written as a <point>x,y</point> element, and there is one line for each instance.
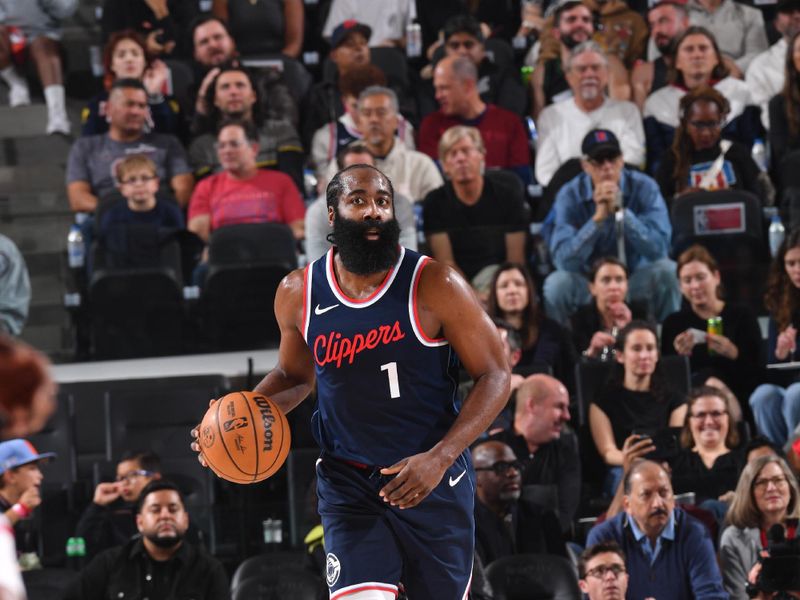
<point>139,522</point>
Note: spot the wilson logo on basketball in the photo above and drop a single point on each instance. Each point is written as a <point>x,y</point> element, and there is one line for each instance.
<point>334,348</point>
<point>267,418</point>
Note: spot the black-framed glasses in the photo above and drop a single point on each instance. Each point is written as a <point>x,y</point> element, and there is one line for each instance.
<point>601,160</point>
<point>139,179</point>
<point>601,570</point>
<point>133,474</point>
<point>501,467</point>
<point>706,124</point>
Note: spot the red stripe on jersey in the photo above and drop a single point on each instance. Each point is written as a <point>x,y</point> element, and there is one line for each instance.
<point>415,285</point>
<point>364,588</point>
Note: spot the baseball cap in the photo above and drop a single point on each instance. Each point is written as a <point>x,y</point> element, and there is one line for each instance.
<point>346,28</point>
<point>16,453</point>
<point>463,24</point>
<point>600,142</point>
<point>787,6</point>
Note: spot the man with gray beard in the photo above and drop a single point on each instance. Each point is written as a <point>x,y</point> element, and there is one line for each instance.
<point>564,124</point>
<point>505,524</point>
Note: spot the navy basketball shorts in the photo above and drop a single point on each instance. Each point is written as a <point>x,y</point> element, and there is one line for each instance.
<point>372,546</point>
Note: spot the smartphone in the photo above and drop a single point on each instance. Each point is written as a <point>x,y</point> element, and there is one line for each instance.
<point>665,440</point>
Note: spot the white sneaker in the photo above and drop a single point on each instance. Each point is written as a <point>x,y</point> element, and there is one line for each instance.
<point>18,95</point>
<point>58,124</point>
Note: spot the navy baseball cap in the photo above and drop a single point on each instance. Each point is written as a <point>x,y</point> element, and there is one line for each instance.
<point>16,453</point>
<point>347,28</point>
<point>600,143</point>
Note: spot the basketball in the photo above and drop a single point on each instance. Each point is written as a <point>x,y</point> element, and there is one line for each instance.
<point>244,437</point>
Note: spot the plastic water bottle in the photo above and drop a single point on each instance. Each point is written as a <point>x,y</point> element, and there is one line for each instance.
<point>759,154</point>
<point>413,40</point>
<point>76,249</point>
<point>776,234</point>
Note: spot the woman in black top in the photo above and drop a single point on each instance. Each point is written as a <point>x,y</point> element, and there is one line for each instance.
<point>595,326</point>
<point>784,110</point>
<point>512,298</point>
<point>707,464</point>
<point>693,162</point>
<point>637,397</point>
<point>734,357</point>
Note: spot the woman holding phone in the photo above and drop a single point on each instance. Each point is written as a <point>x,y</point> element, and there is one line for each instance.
<point>776,408</point>
<point>637,397</point>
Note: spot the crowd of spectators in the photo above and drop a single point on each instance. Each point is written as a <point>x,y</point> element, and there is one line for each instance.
<point>602,118</point>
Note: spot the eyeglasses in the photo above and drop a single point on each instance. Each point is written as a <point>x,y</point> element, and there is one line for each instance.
<point>600,571</point>
<point>763,484</point>
<point>139,179</point>
<point>600,161</point>
<point>706,124</point>
<point>716,415</point>
<point>128,477</point>
<point>501,467</point>
<point>232,144</point>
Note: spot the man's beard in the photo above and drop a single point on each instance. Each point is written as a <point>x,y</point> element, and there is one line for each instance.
<point>363,256</point>
<point>570,42</point>
<point>665,47</point>
<point>165,541</point>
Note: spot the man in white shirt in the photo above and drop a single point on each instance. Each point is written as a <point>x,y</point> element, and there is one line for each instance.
<point>765,74</point>
<point>413,174</point>
<point>387,18</point>
<point>564,124</point>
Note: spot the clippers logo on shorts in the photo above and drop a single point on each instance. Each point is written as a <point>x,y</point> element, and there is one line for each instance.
<point>333,348</point>
<point>332,569</point>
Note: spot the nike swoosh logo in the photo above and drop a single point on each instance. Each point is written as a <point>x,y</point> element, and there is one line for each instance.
<point>322,311</point>
<point>453,482</point>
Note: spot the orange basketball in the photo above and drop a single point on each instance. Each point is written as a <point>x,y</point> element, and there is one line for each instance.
<point>244,437</point>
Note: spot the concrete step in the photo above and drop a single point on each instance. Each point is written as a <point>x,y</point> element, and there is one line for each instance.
<point>43,178</point>
<point>31,121</point>
<point>39,234</point>
<point>30,204</point>
<point>47,291</point>
<point>52,339</point>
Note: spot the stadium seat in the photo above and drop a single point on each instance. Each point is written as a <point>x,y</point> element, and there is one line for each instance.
<point>246,264</point>
<point>527,576</point>
<point>287,582</point>
<point>729,224</point>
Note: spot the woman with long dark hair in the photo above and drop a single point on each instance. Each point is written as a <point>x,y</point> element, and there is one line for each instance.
<point>776,408</point>
<point>513,298</point>
<point>636,397</point>
<point>697,62</point>
<point>125,57</point>
<point>699,159</point>
<point>784,108</point>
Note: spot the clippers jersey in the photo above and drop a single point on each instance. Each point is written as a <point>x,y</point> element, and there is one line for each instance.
<point>385,391</point>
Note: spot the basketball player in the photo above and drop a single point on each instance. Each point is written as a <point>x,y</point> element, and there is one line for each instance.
<point>380,326</point>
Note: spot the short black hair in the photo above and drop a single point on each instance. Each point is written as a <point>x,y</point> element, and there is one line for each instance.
<point>249,128</point>
<point>592,551</point>
<point>760,442</point>
<point>158,485</point>
<point>355,147</point>
<point>147,459</point>
<point>463,24</point>
<point>336,186</point>
<point>128,83</point>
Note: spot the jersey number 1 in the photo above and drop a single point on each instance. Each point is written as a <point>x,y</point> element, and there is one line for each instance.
<point>394,383</point>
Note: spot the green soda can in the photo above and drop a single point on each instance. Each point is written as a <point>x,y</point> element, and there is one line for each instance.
<point>715,327</point>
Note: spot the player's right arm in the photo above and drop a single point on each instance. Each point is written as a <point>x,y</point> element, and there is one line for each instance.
<point>290,382</point>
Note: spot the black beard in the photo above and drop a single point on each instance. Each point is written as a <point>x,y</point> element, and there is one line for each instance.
<point>666,49</point>
<point>363,256</point>
<point>164,542</point>
<point>570,42</point>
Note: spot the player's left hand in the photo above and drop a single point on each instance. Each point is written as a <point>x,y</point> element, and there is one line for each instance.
<point>416,476</point>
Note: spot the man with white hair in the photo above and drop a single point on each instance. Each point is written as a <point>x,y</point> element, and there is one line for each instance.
<point>564,124</point>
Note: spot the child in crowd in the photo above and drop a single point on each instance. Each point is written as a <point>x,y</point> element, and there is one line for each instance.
<point>130,231</point>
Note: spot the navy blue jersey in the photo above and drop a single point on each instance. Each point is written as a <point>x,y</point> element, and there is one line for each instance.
<point>385,391</point>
